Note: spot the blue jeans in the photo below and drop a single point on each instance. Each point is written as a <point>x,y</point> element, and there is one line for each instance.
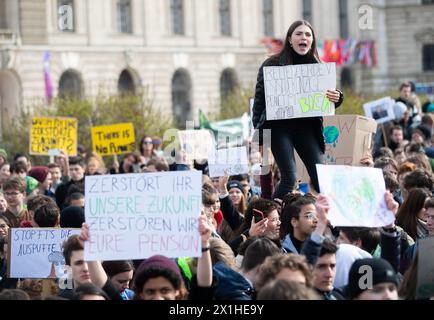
<point>305,141</point>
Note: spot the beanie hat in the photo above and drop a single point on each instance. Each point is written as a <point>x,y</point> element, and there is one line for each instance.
<point>235,184</point>
<point>31,184</point>
<point>382,272</point>
<point>72,217</point>
<point>3,153</point>
<point>39,173</point>
<point>158,262</point>
<point>424,130</point>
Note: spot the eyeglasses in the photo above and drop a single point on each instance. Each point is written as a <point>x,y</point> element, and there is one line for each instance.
<point>147,142</point>
<point>12,194</point>
<point>4,226</point>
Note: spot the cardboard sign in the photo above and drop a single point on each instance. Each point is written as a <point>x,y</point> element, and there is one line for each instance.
<point>113,139</point>
<point>380,110</point>
<point>425,271</point>
<point>298,91</point>
<point>356,196</point>
<point>135,216</point>
<point>347,139</point>
<point>197,144</point>
<point>48,134</point>
<point>232,160</point>
<point>37,252</point>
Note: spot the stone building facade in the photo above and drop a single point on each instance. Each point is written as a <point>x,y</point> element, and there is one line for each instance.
<point>186,54</point>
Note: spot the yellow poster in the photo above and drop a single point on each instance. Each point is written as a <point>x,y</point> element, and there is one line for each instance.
<point>48,135</point>
<point>113,139</point>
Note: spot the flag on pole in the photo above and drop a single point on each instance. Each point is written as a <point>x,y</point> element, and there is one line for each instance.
<point>47,78</point>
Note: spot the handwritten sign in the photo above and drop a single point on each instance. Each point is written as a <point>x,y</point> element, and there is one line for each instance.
<point>356,195</point>
<point>298,91</point>
<point>231,160</point>
<point>347,138</point>
<point>37,252</point>
<point>47,134</point>
<point>135,216</point>
<point>425,271</point>
<point>380,110</point>
<point>197,144</point>
<point>113,139</point>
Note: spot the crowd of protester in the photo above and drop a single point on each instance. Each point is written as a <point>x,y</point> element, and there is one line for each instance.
<point>254,246</point>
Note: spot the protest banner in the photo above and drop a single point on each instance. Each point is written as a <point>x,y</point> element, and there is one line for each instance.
<point>135,216</point>
<point>50,135</point>
<point>37,252</point>
<point>299,91</point>
<point>347,139</point>
<point>113,139</point>
<point>356,196</point>
<point>425,268</point>
<point>197,144</point>
<point>380,110</point>
<point>231,160</point>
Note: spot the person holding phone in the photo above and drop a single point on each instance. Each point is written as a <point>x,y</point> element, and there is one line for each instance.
<point>303,134</point>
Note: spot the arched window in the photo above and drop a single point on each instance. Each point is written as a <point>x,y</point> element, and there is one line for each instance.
<point>181,97</point>
<point>267,14</point>
<point>228,82</point>
<point>307,10</point>
<point>126,83</point>
<point>71,85</point>
<point>346,78</point>
<point>343,19</point>
<point>177,16</point>
<point>124,16</point>
<point>225,17</point>
<point>10,98</point>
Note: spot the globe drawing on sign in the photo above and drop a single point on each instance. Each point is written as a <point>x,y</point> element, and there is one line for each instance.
<point>331,135</point>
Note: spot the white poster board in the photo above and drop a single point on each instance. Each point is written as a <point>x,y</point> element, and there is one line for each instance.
<point>197,144</point>
<point>380,110</point>
<point>298,91</point>
<point>38,252</point>
<point>135,216</point>
<point>231,160</point>
<point>356,196</point>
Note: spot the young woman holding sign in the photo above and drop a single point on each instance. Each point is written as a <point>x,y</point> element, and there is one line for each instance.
<point>303,134</point>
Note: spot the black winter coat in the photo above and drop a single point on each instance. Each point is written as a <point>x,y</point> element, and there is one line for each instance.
<point>259,117</point>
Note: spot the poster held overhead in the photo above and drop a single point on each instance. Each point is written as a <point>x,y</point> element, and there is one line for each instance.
<point>53,133</point>
<point>380,110</point>
<point>135,216</point>
<point>37,252</point>
<point>299,91</point>
<point>356,196</point>
<point>231,160</point>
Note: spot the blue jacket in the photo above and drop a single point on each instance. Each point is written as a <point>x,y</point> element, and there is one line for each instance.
<point>230,284</point>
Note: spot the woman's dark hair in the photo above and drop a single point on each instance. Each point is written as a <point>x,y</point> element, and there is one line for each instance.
<point>291,208</point>
<point>113,268</point>
<point>256,253</point>
<point>406,217</point>
<point>142,140</point>
<point>287,51</point>
<point>369,237</point>
<point>5,219</point>
<point>89,289</point>
<point>263,205</point>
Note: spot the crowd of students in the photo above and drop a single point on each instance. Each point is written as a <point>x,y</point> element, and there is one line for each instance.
<point>254,246</point>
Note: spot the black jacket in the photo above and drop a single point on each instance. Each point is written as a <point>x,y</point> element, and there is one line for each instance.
<point>259,117</point>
